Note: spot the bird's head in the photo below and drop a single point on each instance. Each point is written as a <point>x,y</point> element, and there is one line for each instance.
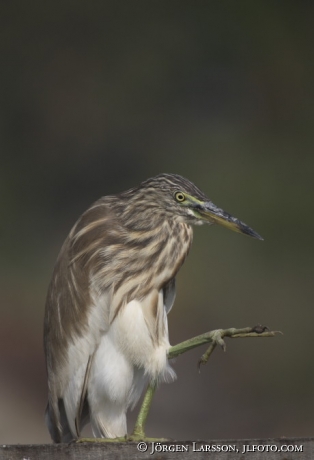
<point>180,198</point>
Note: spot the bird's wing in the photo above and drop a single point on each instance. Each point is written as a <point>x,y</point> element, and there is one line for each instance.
<point>155,308</point>
<point>169,292</point>
<point>74,320</point>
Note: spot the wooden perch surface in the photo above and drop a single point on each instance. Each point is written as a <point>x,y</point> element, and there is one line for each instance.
<point>257,449</point>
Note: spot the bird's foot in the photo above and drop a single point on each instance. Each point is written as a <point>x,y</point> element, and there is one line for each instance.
<point>216,339</point>
<point>127,438</point>
<point>139,435</point>
<point>95,440</point>
<point>136,438</point>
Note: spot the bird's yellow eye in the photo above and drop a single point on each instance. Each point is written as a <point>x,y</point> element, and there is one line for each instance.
<point>179,196</point>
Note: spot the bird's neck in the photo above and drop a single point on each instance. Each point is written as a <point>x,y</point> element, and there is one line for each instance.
<point>163,248</point>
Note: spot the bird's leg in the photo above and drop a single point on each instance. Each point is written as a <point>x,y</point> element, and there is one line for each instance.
<point>216,338</point>
<point>139,432</point>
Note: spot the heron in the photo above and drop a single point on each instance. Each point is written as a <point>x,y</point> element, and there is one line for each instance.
<point>105,329</point>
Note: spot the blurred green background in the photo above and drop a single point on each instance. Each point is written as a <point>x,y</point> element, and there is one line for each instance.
<point>98,96</point>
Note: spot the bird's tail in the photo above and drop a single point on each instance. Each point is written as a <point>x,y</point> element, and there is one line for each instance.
<point>57,423</point>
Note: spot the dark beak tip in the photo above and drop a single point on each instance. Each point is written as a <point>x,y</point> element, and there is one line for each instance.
<point>255,235</point>
<point>248,231</point>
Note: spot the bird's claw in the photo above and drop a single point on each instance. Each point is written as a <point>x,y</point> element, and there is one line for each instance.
<point>216,340</point>
<point>259,329</point>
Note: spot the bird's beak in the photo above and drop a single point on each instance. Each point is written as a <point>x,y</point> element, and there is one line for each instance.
<point>211,213</point>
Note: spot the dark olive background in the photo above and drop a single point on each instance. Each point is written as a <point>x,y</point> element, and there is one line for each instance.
<point>98,96</point>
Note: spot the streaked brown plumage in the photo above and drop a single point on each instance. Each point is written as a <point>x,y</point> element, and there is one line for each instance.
<point>106,330</point>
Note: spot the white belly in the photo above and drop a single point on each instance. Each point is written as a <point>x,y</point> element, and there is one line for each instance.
<point>128,356</point>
